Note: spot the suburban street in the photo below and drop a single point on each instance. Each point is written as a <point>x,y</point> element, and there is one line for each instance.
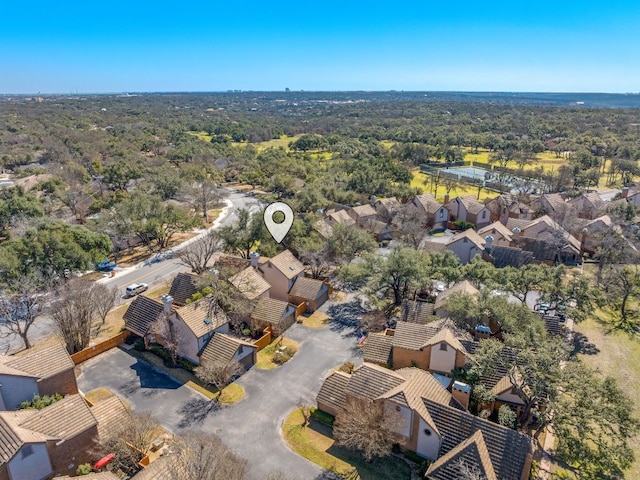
<point>252,428</point>
<point>151,273</point>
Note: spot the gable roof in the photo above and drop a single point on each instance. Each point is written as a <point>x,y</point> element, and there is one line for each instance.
<point>496,227</point>
<point>62,420</point>
<point>308,288</point>
<point>250,283</point>
<point>270,310</point>
<point>391,204</point>
<point>508,449</point>
<point>417,312</point>
<point>414,336</point>
<point>222,348</point>
<point>341,216</point>
<point>364,210</point>
<point>12,436</point>
<point>447,336</point>
<point>463,287</point>
<point>520,223</point>
<point>472,453</point>
<point>112,417</point>
<point>287,264</point>
<point>332,391</point>
<point>377,349</point>
<point>428,203</point>
<point>323,227</point>
<point>141,314</point>
<point>202,316</point>
<point>471,204</point>
<point>470,235</point>
<point>370,381</point>
<point>183,287</point>
<point>554,200</point>
<point>43,360</point>
<point>510,257</point>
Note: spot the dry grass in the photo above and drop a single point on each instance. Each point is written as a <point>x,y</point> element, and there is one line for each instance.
<point>231,394</point>
<point>618,357</point>
<point>265,356</point>
<point>98,394</point>
<point>316,320</point>
<point>419,179</point>
<point>113,324</point>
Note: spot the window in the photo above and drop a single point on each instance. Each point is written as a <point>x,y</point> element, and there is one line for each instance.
<point>427,432</point>
<point>27,451</point>
<point>443,346</point>
<point>398,409</point>
<point>484,214</point>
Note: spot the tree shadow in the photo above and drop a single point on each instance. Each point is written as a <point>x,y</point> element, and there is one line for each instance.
<point>196,411</point>
<point>580,344</point>
<point>346,318</point>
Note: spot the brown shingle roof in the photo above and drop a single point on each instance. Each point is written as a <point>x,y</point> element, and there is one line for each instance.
<point>413,336</point>
<point>250,283</point>
<point>308,288</point>
<point>447,336</point>
<point>508,449</point>
<point>428,202</point>
<point>369,381</point>
<point>332,391</point>
<point>510,257</point>
<point>377,349</point>
<point>63,420</point>
<point>323,228</point>
<point>12,436</point>
<point>364,210</point>
<point>112,417</point>
<point>287,263</point>
<point>471,204</point>
<point>202,317</point>
<point>44,360</point>
<point>222,348</point>
<point>142,312</point>
<point>518,223</point>
<point>496,227</point>
<point>470,235</point>
<point>159,469</point>
<point>465,287</point>
<point>183,287</point>
<point>472,453</point>
<point>341,216</point>
<point>417,312</point>
<point>270,310</point>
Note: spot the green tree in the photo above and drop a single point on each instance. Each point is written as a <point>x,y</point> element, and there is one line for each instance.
<point>346,243</point>
<point>445,266</point>
<point>243,236</point>
<point>521,281</point>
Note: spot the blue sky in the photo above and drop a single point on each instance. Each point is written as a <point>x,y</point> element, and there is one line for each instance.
<point>67,46</point>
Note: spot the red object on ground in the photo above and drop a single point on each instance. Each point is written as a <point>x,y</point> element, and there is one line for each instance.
<point>104,461</point>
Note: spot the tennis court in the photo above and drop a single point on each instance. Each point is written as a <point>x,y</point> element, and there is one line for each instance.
<point>472,173</point>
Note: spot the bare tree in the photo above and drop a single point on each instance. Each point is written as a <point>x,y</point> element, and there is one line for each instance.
<point>203,456</point>
<point>316,258</point>
<point>197,255</point>
<point>411,227</point>
<point>202,193</point>
<point>218,373</point>
<point>167,335</point>
<point>105,299</point>
<point>366,426</point>
<point>74,313</point>
<point>130,443</point>
<point>467,471</point>
<point>19,311</point>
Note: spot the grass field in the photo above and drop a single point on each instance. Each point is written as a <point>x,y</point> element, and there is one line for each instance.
<point>460,189</point>
<point>618,357</point>
<point>314,443</point>
<point>265,356</point>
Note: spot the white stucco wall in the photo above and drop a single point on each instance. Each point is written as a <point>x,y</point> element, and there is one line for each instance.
<point>33,467</point>
<point>442,360</point>
<point>16,389</point>
<point>402,415</point>
<point>465,251</point>
<point>428,446</point>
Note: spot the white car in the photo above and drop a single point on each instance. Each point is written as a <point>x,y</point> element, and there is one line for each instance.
<point>136,288</point>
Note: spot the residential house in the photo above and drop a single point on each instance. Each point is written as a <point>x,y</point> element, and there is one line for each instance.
<point>587,205</point>
<point>594,232</point>
<point>324,228</point>
<point>433,213</point>
<point>417,312</point>
<point>362,214</point>
<point>467,208</point>
<point>387,209</point>
<point>184,286</point>
<point>313,293</point>
<point>54,440</point>
<point>466,245</point>
<point>281,273</point>
<point>251,284</point>
<point>464,287</point>
<point>500,234</point>
<point>436,347</point>
<point>548,241</point>
<point>377,349</point>
<point>190,326</point>
<point>44,369</point>
<point>551,204</point>
<point>508,257</point>
<point>112,416</point>
<point>224,349</point>
<point>506,206</point>
<point>334,217</point>
<point>274,313</point>
<point>429,420</point>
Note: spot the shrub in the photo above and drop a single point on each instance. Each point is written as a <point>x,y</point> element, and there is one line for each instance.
<point>322,417</point>
<point>83,469</point>
<point>462,225</point>
<point>38,402</point>
<point>186,364</point>
<point>282,356</point>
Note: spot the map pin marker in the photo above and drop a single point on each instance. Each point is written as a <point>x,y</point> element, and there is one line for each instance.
<point>278,230</point>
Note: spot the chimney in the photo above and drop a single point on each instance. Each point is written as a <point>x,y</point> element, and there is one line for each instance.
<point>461,392</point>
<point>517,232</point>
<point>625,192</point>
<point>446,199</point>
<point>254,257</point>
<point>489,245</point>
<point>583,239</point>
<point>167,303</point>
<point>564,195</point>
<point>372,200</point>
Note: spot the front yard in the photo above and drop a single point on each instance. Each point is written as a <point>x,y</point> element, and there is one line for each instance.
<point>276,353</point>
<point>314,442</point>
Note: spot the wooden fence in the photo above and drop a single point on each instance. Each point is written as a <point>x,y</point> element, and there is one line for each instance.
<point>264,340</point>
<point>97,349</point>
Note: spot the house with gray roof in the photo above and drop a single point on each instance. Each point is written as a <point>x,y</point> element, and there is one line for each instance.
<point>184,286</point>
<point>310,291</point>
<point>281,273</point>
<point>467,208</point>
<point>223,349</point>
<point>466,245</point>
<point>274,313</point>
<point>433,213</point>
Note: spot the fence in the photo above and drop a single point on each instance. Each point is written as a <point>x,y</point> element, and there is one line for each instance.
<point>264,340</point>
<point>90,352</point>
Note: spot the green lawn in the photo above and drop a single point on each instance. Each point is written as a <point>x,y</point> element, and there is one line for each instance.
<point>314,443</point>
<point>619,357</point>
<point>460,189</point>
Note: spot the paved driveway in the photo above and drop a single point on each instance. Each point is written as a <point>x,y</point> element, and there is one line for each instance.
<point>250,428</point>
